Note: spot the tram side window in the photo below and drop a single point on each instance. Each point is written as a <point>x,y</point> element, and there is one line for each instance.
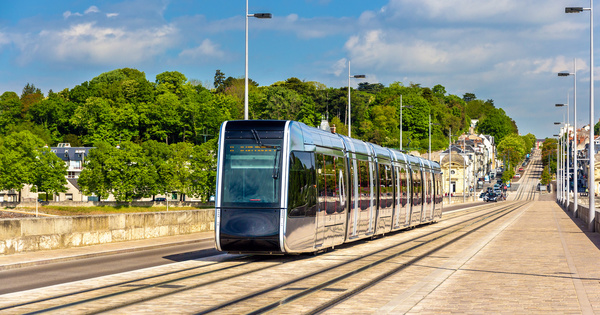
<point>385,186</point>
<point>302,185</point>
<point>340,191</point>
<point>364,184</point>
<point>403,187</point>
<point>417,187</point>
<point>331,184</point>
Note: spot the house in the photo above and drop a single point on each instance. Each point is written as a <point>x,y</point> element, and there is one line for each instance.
<point>74,158</point>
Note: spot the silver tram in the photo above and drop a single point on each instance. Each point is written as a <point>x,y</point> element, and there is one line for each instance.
<point>286,188</point>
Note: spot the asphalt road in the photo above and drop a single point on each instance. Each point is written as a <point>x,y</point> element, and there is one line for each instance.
<point>26,278</point>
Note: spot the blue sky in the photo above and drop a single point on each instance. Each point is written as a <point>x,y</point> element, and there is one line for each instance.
<point>505,50</point>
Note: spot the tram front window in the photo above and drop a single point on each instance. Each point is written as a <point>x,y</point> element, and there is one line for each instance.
<point>251,174</point>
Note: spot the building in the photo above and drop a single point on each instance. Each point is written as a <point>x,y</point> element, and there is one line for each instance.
<point>74,158</point>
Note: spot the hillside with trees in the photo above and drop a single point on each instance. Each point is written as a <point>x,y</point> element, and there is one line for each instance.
<point>166,128</point>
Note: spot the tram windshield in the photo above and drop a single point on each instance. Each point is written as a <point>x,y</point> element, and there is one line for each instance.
<point>251,173</point>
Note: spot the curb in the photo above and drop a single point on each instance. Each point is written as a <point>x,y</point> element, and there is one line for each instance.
<point>95,254</point>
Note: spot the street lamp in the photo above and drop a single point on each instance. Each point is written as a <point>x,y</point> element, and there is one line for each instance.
<point>258,16</point>
<point>356,76</point>
<point>591,177</point>
<point>559,167</point>
<point>575,168</point>
<point>430,124</point>
<point>402,106</point>
<point>568,142</point>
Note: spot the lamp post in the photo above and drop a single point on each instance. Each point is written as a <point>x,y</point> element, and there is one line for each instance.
<point>357,76</point>
<point>559,167</point>
<point>575,168</point>
<point>568,142</point>
<point>430,124</point>
<point>402,106</point>
<point>449,165</point>
<point>591,177</point>
<point>258,16</point>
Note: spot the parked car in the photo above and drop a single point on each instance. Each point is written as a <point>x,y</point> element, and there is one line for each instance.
<point>492,197</point>
<point>517,175</point>
<point>520,169</point>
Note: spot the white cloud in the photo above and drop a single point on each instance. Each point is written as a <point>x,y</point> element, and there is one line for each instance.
<point>338,67</point>
<point>207,49</point>
<point>112,15</point>
<point>68,14</point>
<point>92,9</point>
<point>92,44</point>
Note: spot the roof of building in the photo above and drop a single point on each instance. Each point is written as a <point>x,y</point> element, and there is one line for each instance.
<point>71,154</point>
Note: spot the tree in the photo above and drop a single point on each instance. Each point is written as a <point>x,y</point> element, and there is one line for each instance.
<point>513,148</point>
<point>10,111</point>
<point>219,81</point>
<point>497,124</point>
<point>171,81</point>
<point>373,88</point>
<point>467,97</point>
<point>179,164</point>
<point>49,172</point>
<point>18,157</point>
<point>545,179</point>
<point>203,165</point>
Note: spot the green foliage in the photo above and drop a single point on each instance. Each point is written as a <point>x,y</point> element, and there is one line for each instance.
<point>545,179</point>
<point>497,124</point>
<point>513,148</point>
<point>162,126</point>
<point>549,148</point>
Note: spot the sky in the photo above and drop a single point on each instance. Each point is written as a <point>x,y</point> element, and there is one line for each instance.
<point>509,51</point>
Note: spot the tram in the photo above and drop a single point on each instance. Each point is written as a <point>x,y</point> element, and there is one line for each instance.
<point>286,188</point>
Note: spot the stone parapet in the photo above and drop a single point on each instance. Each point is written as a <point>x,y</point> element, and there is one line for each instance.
<point>34,234</point>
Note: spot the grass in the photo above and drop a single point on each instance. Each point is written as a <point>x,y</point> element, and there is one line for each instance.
<point>98,210</point>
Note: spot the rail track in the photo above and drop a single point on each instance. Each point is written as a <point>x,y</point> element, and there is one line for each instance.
<point>234,284</point>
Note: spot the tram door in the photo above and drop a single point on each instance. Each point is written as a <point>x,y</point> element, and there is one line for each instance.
<point>417,196</point>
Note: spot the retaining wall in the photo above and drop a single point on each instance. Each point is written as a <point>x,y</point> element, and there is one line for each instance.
<point>583,213</point>
<point>33,234</point>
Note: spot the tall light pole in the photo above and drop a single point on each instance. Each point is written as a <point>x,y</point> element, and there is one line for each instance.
<point>450,166</point>
<point>259,16</point>
<point>357,76</point>
<point>592,175</point>
<point>560,166</point>
<point>557,165</point>
<point>430,124</point>
<point>402,106</point>
<point>575,168</point>
<point>568,142</point>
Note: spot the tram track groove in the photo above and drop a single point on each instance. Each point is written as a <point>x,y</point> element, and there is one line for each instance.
<point>401,265</point>
<point>133,283</point>
<point>318,287</point>
<point>171,287</point>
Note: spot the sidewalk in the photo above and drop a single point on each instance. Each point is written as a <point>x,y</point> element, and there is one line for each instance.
<point>74,253</point>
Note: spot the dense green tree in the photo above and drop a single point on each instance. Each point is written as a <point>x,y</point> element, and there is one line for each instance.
<point>203,165</point>
<point>219,81</point>
<point>49,172</point>
<point>10,111</point>
<point>497,124</point>
<point>513,147</point>
<point>19,154</point>
<point>549,149</point>
<point>372,88</point>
